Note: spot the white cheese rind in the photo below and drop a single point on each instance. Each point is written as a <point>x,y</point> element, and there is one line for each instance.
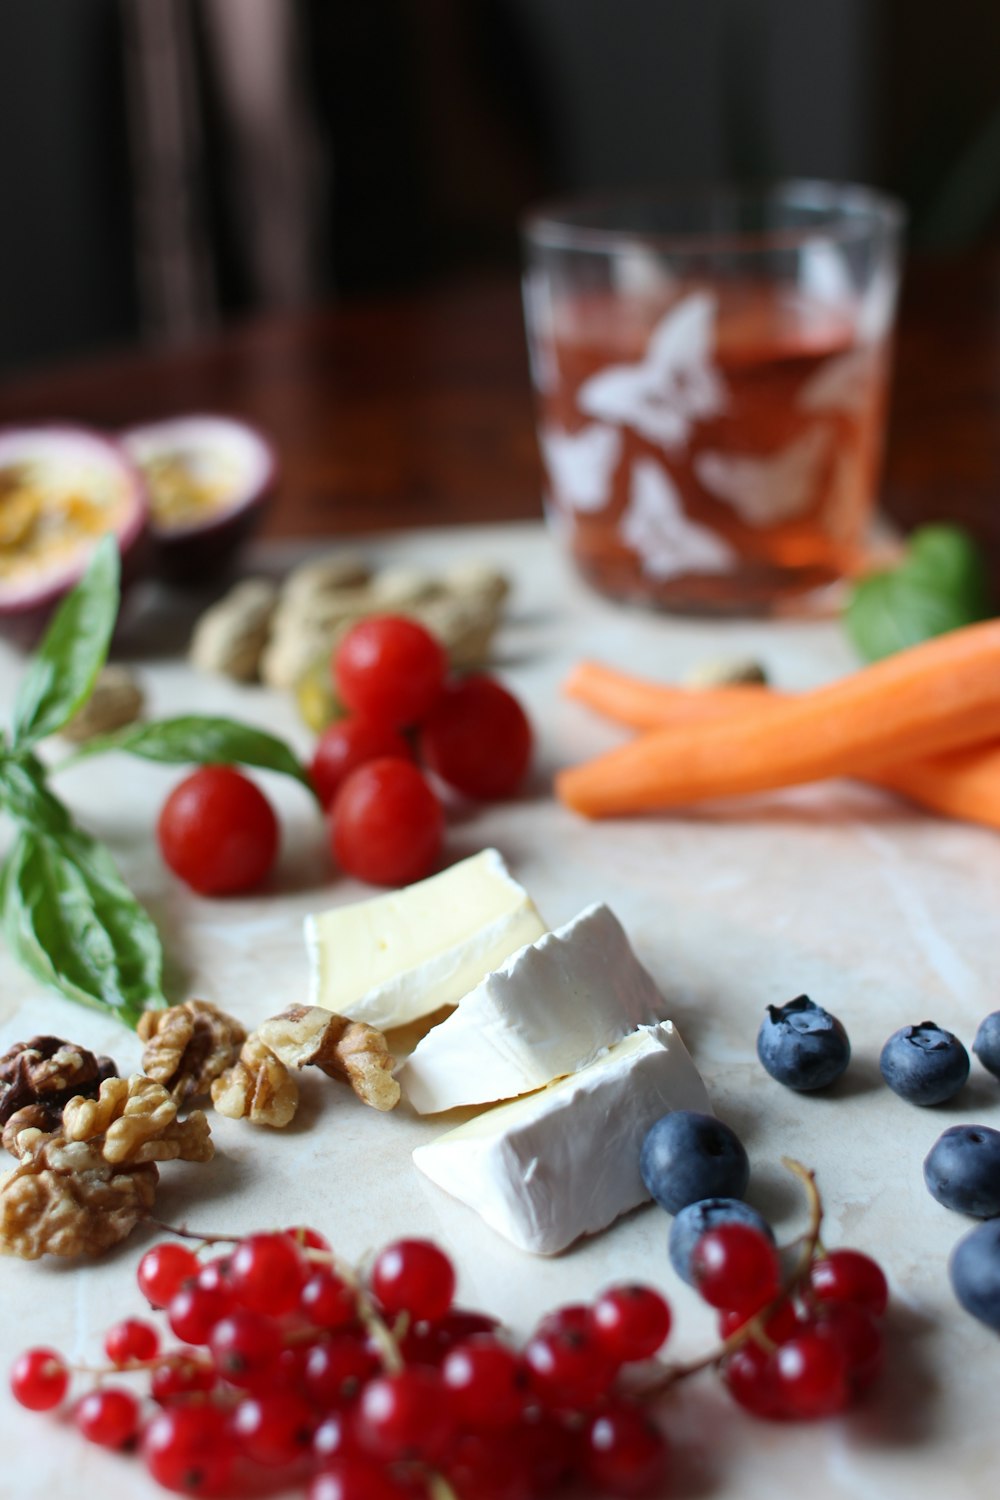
<point>548,1168</point>
<point>548,1010</point>
<point>401,956</point>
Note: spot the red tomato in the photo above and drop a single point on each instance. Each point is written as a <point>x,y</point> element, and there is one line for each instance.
<point>386,823</point>
<point>350,743</point>
<point>390,669</point>
<point>218,832</point>
<point>477,738</point>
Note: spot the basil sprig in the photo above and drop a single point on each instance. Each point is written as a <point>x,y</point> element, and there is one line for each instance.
<point>940,585</point>
<point>65,912</point>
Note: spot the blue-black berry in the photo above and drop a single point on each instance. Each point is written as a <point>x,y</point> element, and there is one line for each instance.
<point>962,1170</point>
<point>802,1045</point>
<point>924,1064</point>
<point>974,1269</point>
<point>687,1156</point>
<point>987,1043</point>
<point>692,1222</point>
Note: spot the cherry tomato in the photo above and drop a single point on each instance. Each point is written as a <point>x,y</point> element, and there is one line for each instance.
<point>390,669</point>
<point>386,823</point>
<point>218,832</point>
<point>350,743</point>
<point>477,738</point>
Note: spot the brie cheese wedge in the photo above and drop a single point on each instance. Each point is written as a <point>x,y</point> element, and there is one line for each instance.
<point>548,1010</point>
<point>401,956</point>
<point>564,1162</point>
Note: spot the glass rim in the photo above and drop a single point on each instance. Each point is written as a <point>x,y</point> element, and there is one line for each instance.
<point>854,210</point>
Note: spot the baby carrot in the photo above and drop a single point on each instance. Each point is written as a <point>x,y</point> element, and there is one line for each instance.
<point>941,695</point>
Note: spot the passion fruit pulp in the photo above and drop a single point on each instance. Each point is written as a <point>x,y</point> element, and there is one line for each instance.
<point>62,488</point>
<point>208,479</point>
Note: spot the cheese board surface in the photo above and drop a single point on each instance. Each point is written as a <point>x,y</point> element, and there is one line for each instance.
<point>882,914</point>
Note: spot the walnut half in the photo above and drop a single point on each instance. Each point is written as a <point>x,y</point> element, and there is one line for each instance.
<point>39,1077</point>
<point>258,1087</point>
<point>309,1036</point>
<point>189,1046</point>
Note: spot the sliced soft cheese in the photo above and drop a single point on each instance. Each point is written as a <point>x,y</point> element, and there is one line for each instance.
<point>401,956</point>
<point>564,1162</point>
<point>548,1010</point>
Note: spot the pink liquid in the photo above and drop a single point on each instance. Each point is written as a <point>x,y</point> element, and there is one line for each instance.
<point>761,483</point>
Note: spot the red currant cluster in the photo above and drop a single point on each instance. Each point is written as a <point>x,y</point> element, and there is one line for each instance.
<point>290,1366</point>
<point>802,1351</point>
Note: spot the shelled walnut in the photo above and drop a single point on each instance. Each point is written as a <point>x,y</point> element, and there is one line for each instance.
<point>116,699</point>
<point>309,1036</point>
<point>83,1187</point>
<point>258,1087</point>
<point>189,1046</point>
<point>38,1077</point>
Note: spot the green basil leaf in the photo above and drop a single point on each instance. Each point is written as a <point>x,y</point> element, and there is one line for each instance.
<point>60,675</point>
<point>940,585</point>
<point>25,796</point>
<point>201,740</point>
<point>71,921</point>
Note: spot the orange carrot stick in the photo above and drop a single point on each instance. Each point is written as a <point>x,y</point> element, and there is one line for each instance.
<point>939,696</point>
<point>961,784</point>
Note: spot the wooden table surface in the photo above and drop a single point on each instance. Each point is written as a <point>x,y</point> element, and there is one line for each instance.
<point>417,410</point>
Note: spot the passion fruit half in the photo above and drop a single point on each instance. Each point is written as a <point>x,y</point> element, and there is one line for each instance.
<point>62,488</point>
<point>208,478</point>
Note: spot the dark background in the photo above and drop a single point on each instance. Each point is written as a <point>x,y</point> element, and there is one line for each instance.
<point>439,120</point>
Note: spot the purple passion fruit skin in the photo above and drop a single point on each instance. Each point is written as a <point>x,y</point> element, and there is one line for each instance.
<point>62,488</point>
<point>209,479</point>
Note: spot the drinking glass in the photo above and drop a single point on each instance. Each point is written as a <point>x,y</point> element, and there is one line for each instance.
<point>710,367</point>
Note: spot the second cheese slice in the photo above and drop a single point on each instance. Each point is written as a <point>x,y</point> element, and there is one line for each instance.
<point>550,1009</point>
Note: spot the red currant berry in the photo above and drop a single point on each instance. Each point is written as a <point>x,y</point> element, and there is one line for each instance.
<point>355,1479</point>
<point>624,1453</point>
<point>783,1323</point>
<point>39,1379</point>
<point>750,1376</point>
<point>190,1450</point>
<point>573,1318</point>
<point>217,1273</point>
<point>335,1437</point>
<point>195,1310</point>
<point>551,1449</point>
<point>131,1340</point>
<point>245,1347</point>
<point>327,1301</point>
<point>850,1276</point>
<point>347,744</point>
<point>108,1417</point>
<point>486,1383</point>
<point>276,1428</point>
<point>415,1277</point>
<point>811,1376</point>
<point>304,1238</point>
<point>428,1343</point>
<point>268,1273</point>
<point>569,1369</point>
<point>477,738</point>
<point>858,1337</point>
<point>390,669</point>
<point>181,1375</point>
<point>336,1370</point>
<point>405,1416</point>
<point>735,1267</point>
<point>163,1270</point>
<point>630,1322</point>
<point>488,1467</point>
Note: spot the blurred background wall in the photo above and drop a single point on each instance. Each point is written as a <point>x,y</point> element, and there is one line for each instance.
<point>168,164</point>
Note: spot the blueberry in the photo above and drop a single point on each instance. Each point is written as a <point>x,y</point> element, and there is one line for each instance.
<point>691,1223</point>
<point>987,1043</point>
<point>962,1170</point>
<point>687,1156</point>
<point>924,1063</point>
<point>974,1269</point>
<point>802,1045</point>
